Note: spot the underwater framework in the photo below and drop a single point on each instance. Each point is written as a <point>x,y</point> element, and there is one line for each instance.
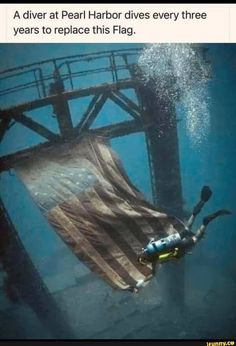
<point>79,183</point>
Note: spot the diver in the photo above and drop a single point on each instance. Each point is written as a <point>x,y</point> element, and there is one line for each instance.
<point>176,245</point>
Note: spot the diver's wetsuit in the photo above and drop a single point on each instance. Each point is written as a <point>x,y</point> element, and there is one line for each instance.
<point>189,239</point>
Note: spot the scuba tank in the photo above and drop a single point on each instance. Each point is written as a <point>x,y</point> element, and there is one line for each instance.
<point>163,249</point>
<point>161,245</point>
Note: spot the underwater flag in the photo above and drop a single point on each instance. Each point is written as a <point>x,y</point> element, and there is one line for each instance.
<point>82,189</point>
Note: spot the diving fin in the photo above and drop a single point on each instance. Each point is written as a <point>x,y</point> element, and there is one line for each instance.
<point>205,196</point>
<point>211,217</point>
<point>206,193</point>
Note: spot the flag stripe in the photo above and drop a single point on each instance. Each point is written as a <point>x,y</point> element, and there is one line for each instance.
<point>120,222</point>
<point>124,213</point>
<point>99,239</point>
<point>120,234</point>
<point>124,209</point>
<point>115,176</point>
<point>95,212</point>
<point>121,191</point>
<point>80,243</point>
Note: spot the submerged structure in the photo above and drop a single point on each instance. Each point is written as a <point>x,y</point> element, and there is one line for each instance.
<point>75,174</point>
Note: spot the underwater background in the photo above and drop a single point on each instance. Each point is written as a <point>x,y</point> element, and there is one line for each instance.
<point>207,149</point>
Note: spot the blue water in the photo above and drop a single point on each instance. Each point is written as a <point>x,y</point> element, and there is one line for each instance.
<point>211,270</point>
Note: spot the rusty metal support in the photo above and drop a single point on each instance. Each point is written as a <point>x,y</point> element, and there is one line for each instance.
<point>115,130</point>
<point>163,152</point>
<point>91,113</point>
<point>34,126</point>
<point>128,101</point>
<point>69,95</point>
<point>60,106</point>
<point>25,278</point>
<point>4,125</point>
<point>126,104</point>
<point>118,130</point>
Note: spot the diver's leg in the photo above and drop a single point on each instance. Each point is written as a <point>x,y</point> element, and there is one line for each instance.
<point>206,220</point>
<point>205,196</point>
<point>211,217</point>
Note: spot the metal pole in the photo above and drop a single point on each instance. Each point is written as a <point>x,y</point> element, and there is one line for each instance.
<point>162,146</point>
<point>25,278</point>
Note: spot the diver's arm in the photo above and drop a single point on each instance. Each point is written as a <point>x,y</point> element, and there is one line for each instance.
<point>154,264</point>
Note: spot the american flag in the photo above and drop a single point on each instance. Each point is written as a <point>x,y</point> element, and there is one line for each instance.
<point>85,194</point>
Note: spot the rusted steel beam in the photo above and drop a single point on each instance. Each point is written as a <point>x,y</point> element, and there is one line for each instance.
<point>36,127</point>
<point>91,113</point>
<point>88,111</point>
<point>62,112</point>
<point>128,101</point>
<point>4,124</point>
<point>112,131</point>
<point>163,152</point>
<point>8,161</point>
<point>69,95</point>
<point>121,101</point>
<point>60,106</point>
<point>25,278</point>
<point>82,57</point>
<point>121,129</point>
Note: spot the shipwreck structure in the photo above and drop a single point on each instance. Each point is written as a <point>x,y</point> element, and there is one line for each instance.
<point>55,83</point>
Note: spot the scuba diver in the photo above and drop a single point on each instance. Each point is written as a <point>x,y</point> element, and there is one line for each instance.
<point>179,243</point>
